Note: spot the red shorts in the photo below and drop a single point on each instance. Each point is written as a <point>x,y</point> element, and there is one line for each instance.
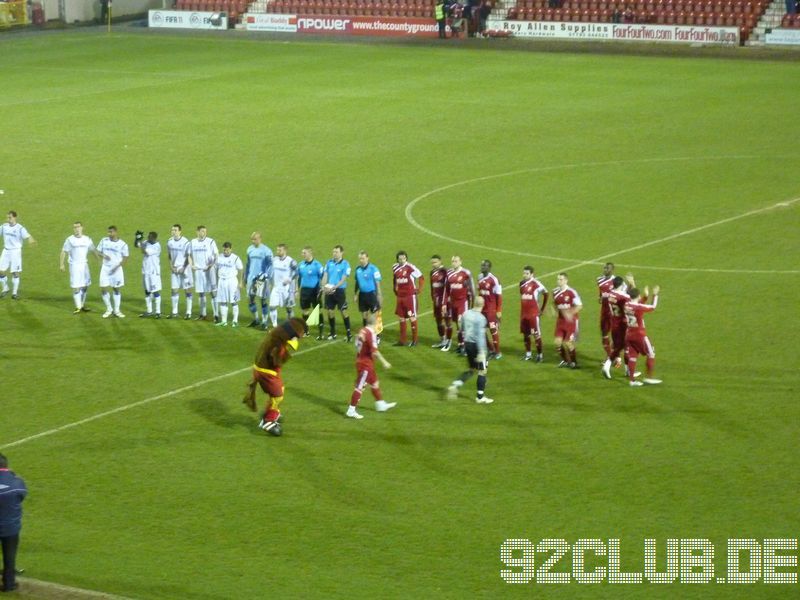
<point>406,307</point>
<point>637,344</point>
<point>456,309</point>
<point>567,330</point>
<point>365,375</point>
<point>618,329</point>
<point>530,325</point>
<point>606,322</point>
<point>271,384</point>
<point>491,318</point>
<point>439,309</point>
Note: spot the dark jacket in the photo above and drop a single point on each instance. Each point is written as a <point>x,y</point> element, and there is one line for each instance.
<point>12,493</point>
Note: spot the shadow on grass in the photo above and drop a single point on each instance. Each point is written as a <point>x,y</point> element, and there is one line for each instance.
<point>335,406</point>
<point>228,415</point>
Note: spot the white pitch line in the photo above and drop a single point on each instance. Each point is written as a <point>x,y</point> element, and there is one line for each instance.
<point>575,265</point>
<point>120,409</point>
<point>28,585</point>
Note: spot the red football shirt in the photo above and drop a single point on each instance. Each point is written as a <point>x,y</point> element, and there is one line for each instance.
<point>489,287</point>
<point>458,285</point>
<point>405,279</point>
<point>529,290</point>
<point>438,278</point>
<point>604,285</point>
<point>566,299</point>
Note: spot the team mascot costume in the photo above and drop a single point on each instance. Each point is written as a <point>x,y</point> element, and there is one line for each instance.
<point>270,358</point>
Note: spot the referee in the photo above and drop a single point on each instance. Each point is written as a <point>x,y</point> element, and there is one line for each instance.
<point>368,287</point>
<point>337,270</point>
<point>309,274</point>
<point>473,324</point>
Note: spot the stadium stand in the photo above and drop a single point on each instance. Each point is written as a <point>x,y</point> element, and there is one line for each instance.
<point>748,15</point>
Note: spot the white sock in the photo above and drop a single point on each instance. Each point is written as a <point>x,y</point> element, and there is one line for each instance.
<point>117,300</point>
<point>202,305</point>
<point>174,303</point>
<point>83,296</point>
<point>148,302</point>
<point>224,310</point>
<point>158,304</point>
<point>235,313</point>
<point>215,306</point>
<point>106,299</point>
<point>273,316</point>
<point>76,296</point>
<point>14,285</point>
<point>4,281</point>
<point>188,304</point>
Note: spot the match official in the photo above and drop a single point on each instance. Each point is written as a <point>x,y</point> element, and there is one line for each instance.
<point>309,276</point>
<point>368,287</point>
<point>12,493</point>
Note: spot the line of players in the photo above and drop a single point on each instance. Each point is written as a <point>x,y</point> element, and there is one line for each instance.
<point>276,281</point>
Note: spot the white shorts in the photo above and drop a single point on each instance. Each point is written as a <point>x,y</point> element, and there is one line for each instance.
<point>205,281</point>
<point>182,281</point>
<point>109,279</point>
<point>281,296</point>
<point>228,291</point>
<point>11,260</point>
<point>151,283</point>
<point>79,276</point>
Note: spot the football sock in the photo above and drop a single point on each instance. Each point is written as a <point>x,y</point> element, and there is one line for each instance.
<point>273,316</point>
<point>448,331</point>
<point>481,385</point>
<point>651,364</point>
<point>223,309</point>
<point>235,313</point>
<point>563,352</point>
<point>264,311</point>
<point>460,338</point>
<point>148,302</point>
<point>174,298</point>
<point>414,332</point>
<point>355,397</point>
<point>332,325</point>
<point>289,313</point>
<point>14,285</point>
<point>403,331</point>
<point>202,305</point>
<point>440,327</point>
<point>321,326</point>
<point>253,308</point>
<point>106,299</point>
<point>347,325</point>
<point>496,340</point>
<point>527,343</point>
<point>538,345</point>
<point>4,282</point>
<point>376,392</point>
<point>631,368</point>
<point>188,303</point>
<point>573,355</point>
<point>607,345</point>
<point>117,300</point>
<point>76,297</point>
<point>462,378</point>
<point>157,296</point>
<point>83,296</point>
<point>215,306</point>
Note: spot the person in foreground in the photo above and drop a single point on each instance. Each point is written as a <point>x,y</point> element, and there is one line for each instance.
<point>12,493</point>
<point>272,354</point>
<point>473,324</point>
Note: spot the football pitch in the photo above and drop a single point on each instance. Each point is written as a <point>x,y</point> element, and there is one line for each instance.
<point>149,479</point>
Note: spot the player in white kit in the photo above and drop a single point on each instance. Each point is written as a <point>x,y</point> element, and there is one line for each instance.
<point>11,258</point>
<point>229,285</point>
<point>77,247</point>
<point>179,251</point>
<point>114,253</point>
<point>284,282</point>
<point>204,253</point>
<point>151,275</point>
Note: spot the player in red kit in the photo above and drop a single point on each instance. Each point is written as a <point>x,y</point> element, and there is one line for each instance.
<point>616,299</point>
<point>636,340</point>
<point>408,282</point>
<point>491,291</point>
<point>567,303</point>
<point>530,289</point>
<point>459,291</point>
<point>438,278</point>
<point>605,283</point>
<point>366,353</point>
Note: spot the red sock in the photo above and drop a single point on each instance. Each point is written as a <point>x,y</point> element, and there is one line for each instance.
<point>607,345</point>
<point>563,352</point>
<point>527,343</point>
<point>272,414</point>
<point>414,332</point>
<point>376,392</point>
<point>355,397</point>
<point>448,331</point>
<point>496,341</point>
<point>403,331</point>
<point>539,345</point>
<point>631,368</point>
<point>440,327</point>
<point>651,364</point>
<point>573,355</point>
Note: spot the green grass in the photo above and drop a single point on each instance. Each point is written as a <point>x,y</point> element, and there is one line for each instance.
<point>317,143</point>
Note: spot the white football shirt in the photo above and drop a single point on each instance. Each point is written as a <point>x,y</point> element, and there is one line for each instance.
<point>178,251</point>
<point>114,251</point>
<point>151,263</point>
<point>78,248</point>
<point>13,235</point>
<point>228,266</point>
